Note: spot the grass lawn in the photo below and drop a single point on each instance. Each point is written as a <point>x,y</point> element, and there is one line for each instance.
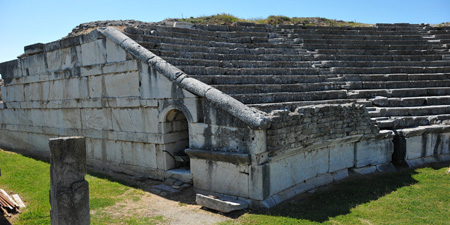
<point>419,196</point>
<point>413,196</point>
<point>30,178</point>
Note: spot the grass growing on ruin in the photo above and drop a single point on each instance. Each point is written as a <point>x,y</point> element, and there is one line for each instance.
<point>419,196</point>
<point>228,19</point>
<point>30,178</point>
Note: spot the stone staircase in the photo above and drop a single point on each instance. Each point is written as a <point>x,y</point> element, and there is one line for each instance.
<point>400,72</point>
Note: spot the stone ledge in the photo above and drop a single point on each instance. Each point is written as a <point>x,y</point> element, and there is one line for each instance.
<point>418,131</point>
<point>235,158</point>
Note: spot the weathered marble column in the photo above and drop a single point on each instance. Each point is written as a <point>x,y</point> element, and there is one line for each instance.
<point>69,191</point>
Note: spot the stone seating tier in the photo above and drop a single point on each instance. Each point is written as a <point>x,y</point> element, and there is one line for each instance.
<point>400,72</point>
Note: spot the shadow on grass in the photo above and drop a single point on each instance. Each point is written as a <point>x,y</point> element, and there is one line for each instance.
<point>339,199</point>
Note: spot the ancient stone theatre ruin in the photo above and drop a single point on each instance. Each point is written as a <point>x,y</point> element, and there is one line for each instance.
<point>252,111</point>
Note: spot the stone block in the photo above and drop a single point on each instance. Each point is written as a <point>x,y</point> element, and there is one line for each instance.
<point>224,205</point>
<point>418,146</point>
<point>144,77</point>
<point>388,167</point>
<point>55,90</point>
<point>95,84</point>
<point>121,67</point>
<point>93,52</point>
<point>373,152</point>
<point>301,167</point>
<point>220,177</point>
<point>135,120</point>
<point>140,154</point>
<point>128,102</point>
<point>13,93</point>
<point>91,70</point>
<point>63,58</point>
<point>157,80</point>
<point>340,175</point>
<point>121,85</point>
<point>33,91</point>
<point>97,119</point>
<point>364,170</point>
<point>114,53</point>
<point>180,174</point>
<point>149,103</point>
<point>341,156</point>
<point>33,64</point>
<point>320,180</point>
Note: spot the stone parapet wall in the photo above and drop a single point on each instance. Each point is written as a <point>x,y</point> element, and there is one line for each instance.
<point>310,125</point>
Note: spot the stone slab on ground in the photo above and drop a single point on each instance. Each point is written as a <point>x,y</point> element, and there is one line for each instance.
<point>224,205</point>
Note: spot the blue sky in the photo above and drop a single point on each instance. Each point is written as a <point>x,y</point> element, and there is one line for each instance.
<point>25,22</point>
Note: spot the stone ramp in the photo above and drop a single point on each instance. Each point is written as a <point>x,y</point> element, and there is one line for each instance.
<point>282,67</point>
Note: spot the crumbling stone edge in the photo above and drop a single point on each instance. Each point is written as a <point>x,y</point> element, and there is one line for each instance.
<point>254,118</point>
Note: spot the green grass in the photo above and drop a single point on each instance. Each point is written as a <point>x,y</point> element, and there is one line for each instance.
<point>228,19</point>
<point>30,178</point>
<point>420,196</point>
<point>413,196</point>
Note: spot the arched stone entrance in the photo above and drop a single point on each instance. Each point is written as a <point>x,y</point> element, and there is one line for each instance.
<point>176,139</point>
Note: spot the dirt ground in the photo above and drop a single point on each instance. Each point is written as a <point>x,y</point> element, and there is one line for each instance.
<point>173,212</point>
<point>176,208</point>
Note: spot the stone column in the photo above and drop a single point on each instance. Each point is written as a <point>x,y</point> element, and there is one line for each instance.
<point>69,191</point>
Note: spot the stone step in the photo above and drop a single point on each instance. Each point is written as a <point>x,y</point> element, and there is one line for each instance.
<point>341,63</point>
<point>400,92</point>
<point>238,63</point>
<point>155,41</point>
<point>257,28</point>
<point>353,32</point>
<point>360,85</point>
<point>357,57</point>
<point>370,47</point>
<point>321,86</point>
<point>351,95</point>
<point>260,79</point>
<point>289,96</point>
<point>440,31</point>
<point>442,36</point>
<point>176,31</point>
<point>378,52</point>
<point>409,111</point>
<point>200,70</point>
<point>219,50</point>
<point>410,101</point>
<point>389,70</point>
<point>213,56</point>
<point>398,122</point>
<point>394,77</point>
<point>201,36</point>
<point>312,36</point>
<point>291,106</point>
<point>273,88</point>
<point>364,42</point>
